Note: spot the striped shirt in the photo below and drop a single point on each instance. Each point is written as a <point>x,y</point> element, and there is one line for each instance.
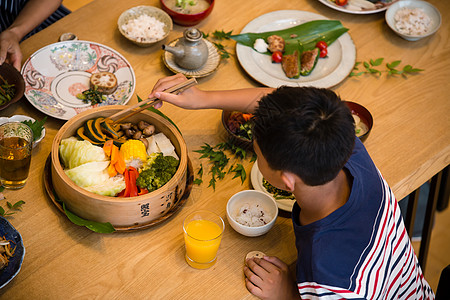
<point>361,250</point>
<point>10,9</point>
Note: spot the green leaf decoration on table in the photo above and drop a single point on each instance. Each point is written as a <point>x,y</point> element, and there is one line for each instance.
<point>94,226</point>
<point>91,225</point>
<point>156,111</point>
<point>391,68</point>
<point>306,34</point>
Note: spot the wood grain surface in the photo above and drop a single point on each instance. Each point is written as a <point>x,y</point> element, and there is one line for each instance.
<point>410,142</point>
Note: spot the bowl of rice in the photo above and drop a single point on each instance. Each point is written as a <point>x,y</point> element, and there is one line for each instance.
<point>145,25</point>
<point>251,212</point>
<point>413,19</point>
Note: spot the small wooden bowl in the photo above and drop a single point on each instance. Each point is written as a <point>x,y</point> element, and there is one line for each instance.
<point>12,76</point>
<point>118,211</point>
<point>234,138</point>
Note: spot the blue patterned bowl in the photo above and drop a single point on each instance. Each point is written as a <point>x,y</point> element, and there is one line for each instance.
<point>12,269</point>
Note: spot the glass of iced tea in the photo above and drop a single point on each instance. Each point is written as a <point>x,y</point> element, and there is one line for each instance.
<point>16,141</point>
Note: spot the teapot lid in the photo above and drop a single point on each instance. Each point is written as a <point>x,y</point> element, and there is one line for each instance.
<point>192,34</point>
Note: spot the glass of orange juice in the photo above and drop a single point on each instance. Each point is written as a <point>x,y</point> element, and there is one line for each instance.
<point>202,235</point>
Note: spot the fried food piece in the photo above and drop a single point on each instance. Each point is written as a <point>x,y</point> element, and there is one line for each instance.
<point>276,43</point>
<point>308,61</point>
<point>105,82</point>
<point>291,64</point>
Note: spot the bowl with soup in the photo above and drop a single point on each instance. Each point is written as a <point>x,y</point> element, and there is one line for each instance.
<point>187,12</point>
<point>363,120</point>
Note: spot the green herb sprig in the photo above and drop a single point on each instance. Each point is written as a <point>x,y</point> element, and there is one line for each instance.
<point>370,67</point>
<point>218,161</point>
<point>11,208</point>
<point>216,38</point>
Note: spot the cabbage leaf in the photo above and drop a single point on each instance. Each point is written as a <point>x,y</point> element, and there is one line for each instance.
<point>93,176</point>
<point>74,153</point>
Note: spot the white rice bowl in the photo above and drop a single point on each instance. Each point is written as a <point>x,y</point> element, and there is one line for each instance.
<point>413,19</point>
<point>252,212</point>
<point>145,25</point>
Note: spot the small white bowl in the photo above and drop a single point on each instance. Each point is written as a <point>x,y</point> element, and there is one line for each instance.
<point>428,9</point>
<point>151,11</point>
<point>20,118</point>
<point>251,197</point>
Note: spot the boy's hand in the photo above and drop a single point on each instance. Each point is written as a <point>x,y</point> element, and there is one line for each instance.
<point>269,278</point>
<point>187,99</point>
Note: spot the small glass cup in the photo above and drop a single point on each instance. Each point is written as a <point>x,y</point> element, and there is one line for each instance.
<point>16,144</point>
<point>202,235</point>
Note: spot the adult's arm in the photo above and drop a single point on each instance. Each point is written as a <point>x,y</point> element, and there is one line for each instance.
<point>33,14</point>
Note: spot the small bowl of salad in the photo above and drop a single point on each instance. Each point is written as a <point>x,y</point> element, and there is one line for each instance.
<point>239,128</point>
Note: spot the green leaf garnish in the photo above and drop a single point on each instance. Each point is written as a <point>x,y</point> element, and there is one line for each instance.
<point>198,181</point>
<point>219,162</point>
<point>94,226</point>
<point>91,225</point>
<point>36,127</point>
<point>370,68</point>
<point>306,34</point>
<point>12,208</point>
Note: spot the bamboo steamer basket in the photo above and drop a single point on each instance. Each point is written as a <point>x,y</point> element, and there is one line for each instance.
<point>120,212</point>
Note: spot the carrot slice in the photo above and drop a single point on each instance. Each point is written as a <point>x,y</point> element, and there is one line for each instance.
<point>112,170</point>
<point>107,147</point>
<point>114,154</point>
<point>120,164</point>
<point>247,116</point>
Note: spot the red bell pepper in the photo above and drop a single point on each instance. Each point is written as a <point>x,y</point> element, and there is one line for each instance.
<point>131,189</point>
<point>133,173</point>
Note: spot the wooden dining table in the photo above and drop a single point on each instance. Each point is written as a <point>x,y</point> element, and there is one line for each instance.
<point>409,143</point>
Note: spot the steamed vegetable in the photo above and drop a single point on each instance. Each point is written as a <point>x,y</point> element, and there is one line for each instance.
<point>158,171</point>
<point>94,177</point>
<point>131,189</point>
<point>74,153</point>
<point>133,149</point>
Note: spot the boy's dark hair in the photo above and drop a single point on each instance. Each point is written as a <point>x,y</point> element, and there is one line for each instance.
<point>307,131</point>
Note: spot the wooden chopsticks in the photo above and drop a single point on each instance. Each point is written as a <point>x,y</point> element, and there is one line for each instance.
<point>138,107</point>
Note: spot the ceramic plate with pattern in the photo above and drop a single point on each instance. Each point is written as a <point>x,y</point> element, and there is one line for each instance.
<point>15,262</point>
<point>55,74</point>
<point>360,7</point>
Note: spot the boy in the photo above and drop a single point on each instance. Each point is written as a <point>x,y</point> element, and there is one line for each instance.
<point>350,236</point>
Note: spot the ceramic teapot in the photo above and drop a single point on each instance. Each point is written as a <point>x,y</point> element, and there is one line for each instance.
<point>190,51</point>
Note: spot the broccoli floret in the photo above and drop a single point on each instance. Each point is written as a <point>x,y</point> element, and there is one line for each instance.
<point>158,172</point>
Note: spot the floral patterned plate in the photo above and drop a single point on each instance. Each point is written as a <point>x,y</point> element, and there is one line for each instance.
<point>55,74</point>
<point>359,7</point>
